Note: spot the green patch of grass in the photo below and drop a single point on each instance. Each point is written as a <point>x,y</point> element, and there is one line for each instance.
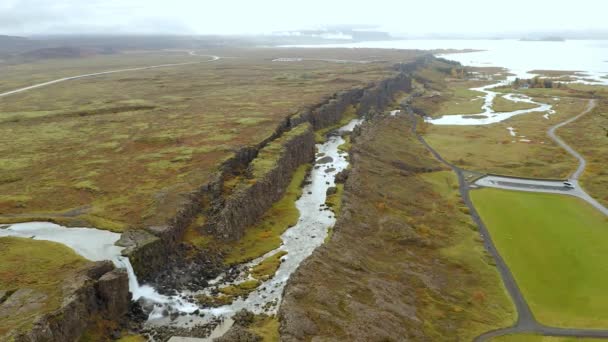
<point>462,101</point>
<point>346,146</point>
<point>87,185</point>
<point>334,201</point>
<point>266,235</point>
<point>251,121</point>
<point>132,338</point>
<point>589,136</point>
<point>193,236</point>
<point>330,234</point>
<point>503,105</point>
<point>267,327</point>
<point>491,148</point>
<point>214,301</point>
<point>241,289</point>
<point>268,267</point>
<point>555,246</point>
<point>267,158</point>
<point>467,251</point>
<point>41,267</point>
<point>539,338</point>
<point>98,221</point>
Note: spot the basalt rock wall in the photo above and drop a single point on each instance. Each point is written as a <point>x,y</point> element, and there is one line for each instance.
<point>227,217</point>
<point>100,292</point>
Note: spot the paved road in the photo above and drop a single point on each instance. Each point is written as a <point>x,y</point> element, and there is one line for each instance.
<point>526,322</point>
<point>64,79</point>
<point>582,163</point>
<point>538,185</point>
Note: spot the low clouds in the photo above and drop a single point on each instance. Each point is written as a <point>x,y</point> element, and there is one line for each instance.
<point>26,17</point>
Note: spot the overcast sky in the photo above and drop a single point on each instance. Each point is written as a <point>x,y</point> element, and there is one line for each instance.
<point>26,17</point>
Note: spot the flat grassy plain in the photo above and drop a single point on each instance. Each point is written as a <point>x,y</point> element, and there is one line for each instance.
<point>492,148</point>
<point>36,286</point>
<point>503,105</point>
<point>589,136</point>
<point>122,150</point>
<point>405,260</point>
<point>556,247</point>
<point>538,338</point>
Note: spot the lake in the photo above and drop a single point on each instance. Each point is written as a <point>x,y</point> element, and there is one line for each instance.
<point>520,57</point>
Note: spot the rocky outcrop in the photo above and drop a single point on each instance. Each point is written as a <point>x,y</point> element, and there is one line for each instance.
<point>329,112</point>
<point>378,97</point>
<point>100,291</point>
<point>266,185</point>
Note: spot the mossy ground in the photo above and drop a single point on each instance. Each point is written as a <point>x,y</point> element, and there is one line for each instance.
<point>241,289</point>
<point>589,136</point>
<point>538,338</point>
<point>503,105</point>
<point>491,148</point>
<point>555,246</point>
<point>334,201</point>
<point>268,157</point>
<point>267,327</point>
<point>39,266</point>
<point>124,150</point>
<point>268,267</point>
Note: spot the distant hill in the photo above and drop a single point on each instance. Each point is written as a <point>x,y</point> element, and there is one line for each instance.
<point>10,45</point>
<point>544,39</point>
<point>64,52</point>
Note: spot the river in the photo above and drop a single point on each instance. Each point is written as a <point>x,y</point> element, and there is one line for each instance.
<point>298,242</point>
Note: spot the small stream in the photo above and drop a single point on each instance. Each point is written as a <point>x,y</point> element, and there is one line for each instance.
<point>489,116</point>
<point>298,241</point>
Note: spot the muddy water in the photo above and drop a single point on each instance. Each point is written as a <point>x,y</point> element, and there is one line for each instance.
<point>298,241</point>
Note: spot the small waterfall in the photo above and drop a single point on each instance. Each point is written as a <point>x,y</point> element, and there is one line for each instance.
<point>98,245</point>
<point>149,294</point>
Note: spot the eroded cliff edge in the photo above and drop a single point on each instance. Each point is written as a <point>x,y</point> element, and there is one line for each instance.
<point>404,262</point>
<point>227,215</point>
<point>98,292</point>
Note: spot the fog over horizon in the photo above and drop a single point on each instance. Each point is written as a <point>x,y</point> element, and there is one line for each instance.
<point>433,18</point>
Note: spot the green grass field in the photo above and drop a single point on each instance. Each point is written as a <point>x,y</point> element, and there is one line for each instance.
<point>589,136</point>
<point>538,338</point>
<point>491,148</point>
<point>503,105</point>
<point>556,247</point>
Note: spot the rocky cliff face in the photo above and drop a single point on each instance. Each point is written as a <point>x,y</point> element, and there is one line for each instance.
<point>247,203</point>
<point>228,217</point>
<point>101,291</point>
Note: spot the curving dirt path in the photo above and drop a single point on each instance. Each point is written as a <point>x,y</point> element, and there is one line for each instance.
<point>526,322</point>
<point>70,78</point>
